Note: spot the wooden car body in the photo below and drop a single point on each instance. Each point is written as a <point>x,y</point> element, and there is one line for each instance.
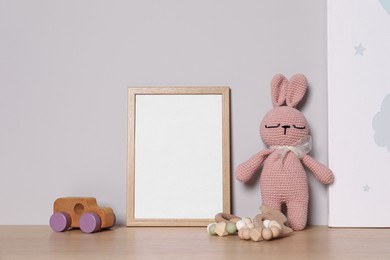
<point>77,206</point>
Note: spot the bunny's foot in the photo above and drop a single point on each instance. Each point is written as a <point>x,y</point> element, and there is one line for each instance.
<point>297,215</point>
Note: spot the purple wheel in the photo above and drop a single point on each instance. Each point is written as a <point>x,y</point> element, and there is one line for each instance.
<point>90,222</point>
<point>60,221</point>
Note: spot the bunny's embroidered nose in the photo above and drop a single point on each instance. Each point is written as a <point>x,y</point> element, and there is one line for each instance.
<point>285,128</point>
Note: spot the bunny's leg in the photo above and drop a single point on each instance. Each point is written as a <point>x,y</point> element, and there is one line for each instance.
<point>297,213</point>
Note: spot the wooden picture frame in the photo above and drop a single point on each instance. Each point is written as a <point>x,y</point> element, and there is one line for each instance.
<point>178,155</point>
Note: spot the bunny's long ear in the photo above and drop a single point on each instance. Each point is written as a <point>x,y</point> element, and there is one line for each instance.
<point>279,86</point>
<point>296,89</point>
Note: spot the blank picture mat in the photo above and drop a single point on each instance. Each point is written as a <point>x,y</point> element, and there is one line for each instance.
<point>359,112</point>
<point>171,133</point>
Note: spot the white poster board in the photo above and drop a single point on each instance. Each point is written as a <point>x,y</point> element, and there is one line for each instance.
<point>359,112</point>
<point>178,173</point>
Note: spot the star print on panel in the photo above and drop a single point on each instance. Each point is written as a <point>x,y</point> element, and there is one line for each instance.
<point>366,188</point>
<point>359,50</point>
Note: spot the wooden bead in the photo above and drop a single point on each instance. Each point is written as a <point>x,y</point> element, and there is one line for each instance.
<point>231,228</point>
<point>275,231</point>
<point>240,224</point>
<point>244,233</point>
<point>247,220</point>
<point>266,223</point>
<point>250,225</point>
<point>211,229</point>
<point>220,229</point>
<point>239,234</point>
<point>267,234</point>
<point>274,223</point>
<point>256,234</point>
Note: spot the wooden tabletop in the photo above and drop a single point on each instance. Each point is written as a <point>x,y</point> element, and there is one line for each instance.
<point>40,242</point>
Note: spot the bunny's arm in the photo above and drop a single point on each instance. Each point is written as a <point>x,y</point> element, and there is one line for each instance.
<point>320,171</point>
<point>246,169</point>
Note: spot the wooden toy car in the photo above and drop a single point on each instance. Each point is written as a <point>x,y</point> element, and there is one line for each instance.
<point>80,212</point>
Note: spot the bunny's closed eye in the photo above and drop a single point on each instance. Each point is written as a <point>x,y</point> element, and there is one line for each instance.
<point>276,126</point>
<point>299,127</point>
<point>272,126</point>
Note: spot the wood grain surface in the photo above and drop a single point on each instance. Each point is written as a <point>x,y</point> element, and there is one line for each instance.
<point>40,242</point>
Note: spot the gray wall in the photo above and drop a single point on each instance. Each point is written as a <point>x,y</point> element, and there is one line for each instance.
<point>65,67</point>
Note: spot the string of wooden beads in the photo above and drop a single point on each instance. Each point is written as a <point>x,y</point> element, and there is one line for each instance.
<point>225,225</point>
<point>269,230</point>
<point>266,226</point>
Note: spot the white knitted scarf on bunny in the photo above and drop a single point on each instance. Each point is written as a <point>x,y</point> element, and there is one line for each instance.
<point>300,148</point>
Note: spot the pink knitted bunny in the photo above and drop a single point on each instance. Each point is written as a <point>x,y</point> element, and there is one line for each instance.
<point>285,131</point>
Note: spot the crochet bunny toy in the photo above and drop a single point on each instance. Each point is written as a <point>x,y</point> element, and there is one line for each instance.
<point>284,130</point>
